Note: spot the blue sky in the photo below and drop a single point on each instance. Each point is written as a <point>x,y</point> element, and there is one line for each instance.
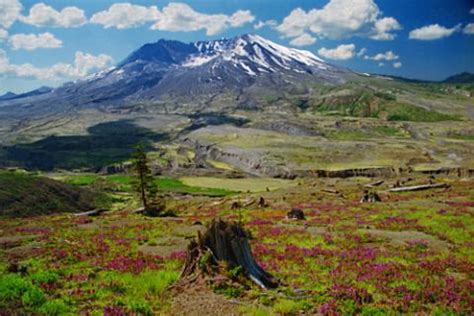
<point>53,41</point>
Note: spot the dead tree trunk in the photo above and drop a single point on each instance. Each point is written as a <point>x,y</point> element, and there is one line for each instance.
<point>420,187</point>
<point>224,243</point>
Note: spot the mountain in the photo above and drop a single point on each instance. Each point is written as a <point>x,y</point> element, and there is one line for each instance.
<point>8,96</point>
<point>200,76</point>
<point>464,77</point>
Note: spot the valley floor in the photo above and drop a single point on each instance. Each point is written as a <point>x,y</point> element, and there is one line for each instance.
<point>411,253</point>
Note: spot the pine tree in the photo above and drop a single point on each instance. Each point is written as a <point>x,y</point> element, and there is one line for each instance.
<point>144,183</point>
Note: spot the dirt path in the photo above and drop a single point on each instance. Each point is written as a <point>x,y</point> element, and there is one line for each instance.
<point>200,300</point>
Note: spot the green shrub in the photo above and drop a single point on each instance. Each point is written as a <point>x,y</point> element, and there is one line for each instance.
<point>47,276</point>
<point>289,307</point>
<point>54,307</point>
<point>141,307</point>
<point>12,287</point>
<point>33,297</point>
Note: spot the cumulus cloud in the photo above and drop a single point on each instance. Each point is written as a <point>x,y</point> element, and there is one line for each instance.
<point>125,15</point>
<point>338,19</point>
<point>383,29</point>
<point>3,34</point>
<point>268,23</point>
<point>389,55</point>
<point>43,15</point>
<point>432,32</point>
<point>174,17</point>
<point>177,17</point>
<point>342,52</point>
<point>83,65</point>
<point>10,12</point>
<point>397,65</point>
<point>34,41</point>
<point>303,40</point>
<point>469,29</point>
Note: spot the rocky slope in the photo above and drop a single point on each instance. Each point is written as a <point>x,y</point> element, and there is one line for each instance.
<point>181,77</point>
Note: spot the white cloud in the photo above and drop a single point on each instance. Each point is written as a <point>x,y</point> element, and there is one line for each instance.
<point>362,52</point>
<point>472,11</point>
<point>173,17</point>
<point>397,65</point>
<point>3,34</point>
<point>432,32</point>
<point>10,12</point>
<point>338,19</point>
<point>342,52</point>
<point>125,15</point>
<point>83,65</point>
<point>388,55</point>
<point>268,23</point>
<point>469,29</point>
<point>44,15</point>
<point>177,17</point>
<point>303,40</point>
<point>383,27</point>
<point>381,64</point>
<point>34,41</point>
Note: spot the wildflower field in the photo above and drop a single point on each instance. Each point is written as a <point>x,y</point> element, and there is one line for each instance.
<point>412,253</point>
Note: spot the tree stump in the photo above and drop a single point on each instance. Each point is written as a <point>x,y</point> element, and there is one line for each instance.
<point>370,197</point>
<point>262,203</point>
<point>224,244</point>
<point>236,205</point>
<point>295,213</point>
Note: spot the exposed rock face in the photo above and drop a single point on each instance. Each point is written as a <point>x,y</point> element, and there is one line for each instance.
<point>189,78</point>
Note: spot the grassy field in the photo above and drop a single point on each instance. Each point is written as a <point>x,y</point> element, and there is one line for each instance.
<point>410,254</point>
<point>24,194</point>
<point>239,185</point>
<point>124,183</point>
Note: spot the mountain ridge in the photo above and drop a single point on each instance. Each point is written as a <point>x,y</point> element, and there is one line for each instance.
<point>170,73</point>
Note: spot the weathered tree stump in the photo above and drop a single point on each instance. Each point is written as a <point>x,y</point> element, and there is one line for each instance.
<point>236,205</point>
<point>223,244</point>
<point>370,197</point>
<point>295,213</point>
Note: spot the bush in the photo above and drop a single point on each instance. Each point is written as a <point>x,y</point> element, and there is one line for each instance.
<point>45,277</point>
<point>12,287</point>
<point>54,307</point>
<point>141,307</point>
<point>289,307</point>
<point>33,297</point>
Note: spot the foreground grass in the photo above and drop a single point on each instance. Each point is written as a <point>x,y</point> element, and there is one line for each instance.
<point>346,258</point>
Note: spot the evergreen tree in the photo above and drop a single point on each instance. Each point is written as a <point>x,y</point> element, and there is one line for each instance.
<point>144,183</point>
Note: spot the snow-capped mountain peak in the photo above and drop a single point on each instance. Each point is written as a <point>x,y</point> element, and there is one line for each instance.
<point>254,54</point>
<point>200,73</point>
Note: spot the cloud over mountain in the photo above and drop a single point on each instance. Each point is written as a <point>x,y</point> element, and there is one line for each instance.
<point>43,15</point>
<point>34,41</point>
<point>83,65</point>
<point>342,52</point>
<point>174,17</point>
<point>340,19</point>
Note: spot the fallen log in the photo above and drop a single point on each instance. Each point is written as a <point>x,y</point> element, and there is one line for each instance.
<point>95,212</point>
<point>374,184</point>
<point>420,187</point>
<point>332,191</point>
<point>223,244</point>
